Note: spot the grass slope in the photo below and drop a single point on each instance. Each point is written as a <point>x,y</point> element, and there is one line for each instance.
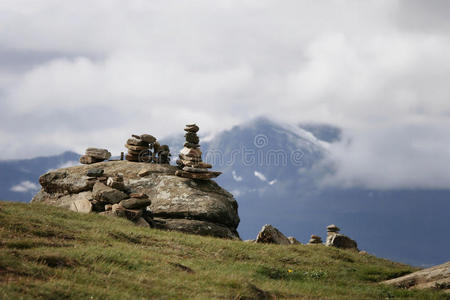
<point>51,253</point>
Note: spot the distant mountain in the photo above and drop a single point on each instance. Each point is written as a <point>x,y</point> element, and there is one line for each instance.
<point>274,170</point>
<point>19,179</point>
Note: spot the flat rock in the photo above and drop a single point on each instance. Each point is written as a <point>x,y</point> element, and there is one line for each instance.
<point>270,234</point>
<point>87,160</point>
<point>136,148</point>
<point>95,172</point>
<point>437,277</point>
<point>195,170</point>
<point>106,194</point>
<point>137,142</point>
<point>191,145</point>
<point>134,203</point>
<point>191,128</point>
<point>201,176</point>
<point>191,152</point>
<point>148,138</point>
<point>98,153</point>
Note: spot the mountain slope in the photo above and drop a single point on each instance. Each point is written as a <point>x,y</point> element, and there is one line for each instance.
<point>51,253</point>
<point>403,225</point>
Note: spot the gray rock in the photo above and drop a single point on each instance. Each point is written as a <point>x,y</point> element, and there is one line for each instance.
<point>137,142</point>
<point>95,172</point>
<point>62,181</point>
<point>191,128</point>
<point>195,170</point>
<point>134,203</point>
<point>81,206</point>
<point>97,153</point>
<point>270,234</point>
<point>437,277</point>
<point>341,241</point>
<point>106,194</point>
<point>87,160</point>
<point>148,138</point>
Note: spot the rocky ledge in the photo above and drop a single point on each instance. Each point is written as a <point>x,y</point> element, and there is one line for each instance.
<point>177,203</point>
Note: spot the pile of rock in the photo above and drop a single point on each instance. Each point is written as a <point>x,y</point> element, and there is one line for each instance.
<point>335,239</point>
<point>94,155</point>
<point>139,148</point>
<point>111,197</point>
<point>190,158</point>
<point>315,239</point>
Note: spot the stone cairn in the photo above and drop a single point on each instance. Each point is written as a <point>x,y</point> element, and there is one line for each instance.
<point>111,197</point>
<point>190,158</point>
<point>94,155</point>
<point>315,239</point>
<point>140,150</point>
<point>335,239</point>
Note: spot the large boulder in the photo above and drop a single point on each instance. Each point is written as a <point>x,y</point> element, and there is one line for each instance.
<point>188,205</point>
<point>437,277</point>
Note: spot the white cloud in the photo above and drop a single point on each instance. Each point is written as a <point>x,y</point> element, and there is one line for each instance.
<point>236,177</point>
<point>374,67</point>
<point>25,187</point>
<point>272,182</point>
<point>260,176</point>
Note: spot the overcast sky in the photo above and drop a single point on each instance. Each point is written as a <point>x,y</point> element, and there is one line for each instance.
<point>88,73</point>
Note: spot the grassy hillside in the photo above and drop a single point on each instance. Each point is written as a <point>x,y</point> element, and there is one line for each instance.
<point>51,253</point>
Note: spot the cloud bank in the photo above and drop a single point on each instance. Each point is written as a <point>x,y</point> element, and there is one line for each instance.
<point>89,73</point>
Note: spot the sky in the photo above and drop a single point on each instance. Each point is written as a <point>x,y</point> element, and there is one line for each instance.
<point>78,74</point>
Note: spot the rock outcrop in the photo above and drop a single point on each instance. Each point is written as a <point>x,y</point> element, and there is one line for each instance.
<point>437,277</point>
<point>271,235</point>
<point>177,203</point>
<point>335,239</point>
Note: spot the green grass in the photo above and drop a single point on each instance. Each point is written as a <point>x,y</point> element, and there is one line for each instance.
<point>51,253</point>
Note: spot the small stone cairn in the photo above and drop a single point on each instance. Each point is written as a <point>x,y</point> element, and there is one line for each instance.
<point>140,150</point>
<point>335,239</point>
<point>111,197</point>
<point>315,239</point>
<point>190,158</point>
<point>94,155</point>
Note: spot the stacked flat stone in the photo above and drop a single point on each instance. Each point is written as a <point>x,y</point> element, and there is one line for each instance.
<point>332,229</point>
<point>315,239</point>
<point>338,240</point>
<point>190,158</point>
<point>111,197</point>
<point>94,155</point>
<point>139,148</point>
